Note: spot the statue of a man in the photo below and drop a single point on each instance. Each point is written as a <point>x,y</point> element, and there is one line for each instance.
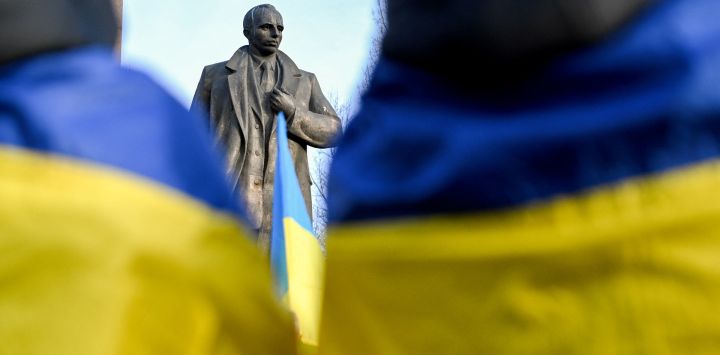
<point>242,97</point>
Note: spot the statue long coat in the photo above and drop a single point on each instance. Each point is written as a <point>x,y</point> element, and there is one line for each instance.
<point>226,92</point>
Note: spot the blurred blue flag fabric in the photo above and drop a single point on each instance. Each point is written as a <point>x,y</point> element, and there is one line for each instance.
<point>643,101</point>
<point>81,104</point>
<point>296,257</point>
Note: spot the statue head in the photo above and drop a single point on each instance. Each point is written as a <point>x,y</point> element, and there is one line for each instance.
<point>263,27</point>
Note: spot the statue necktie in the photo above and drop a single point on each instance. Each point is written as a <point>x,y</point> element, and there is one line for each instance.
<point>266,82</point>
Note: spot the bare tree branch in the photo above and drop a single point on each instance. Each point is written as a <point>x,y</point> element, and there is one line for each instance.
<point>381,17</point>
<point>344,110</point>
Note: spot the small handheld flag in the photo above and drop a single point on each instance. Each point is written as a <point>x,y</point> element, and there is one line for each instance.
<point>295,255</point>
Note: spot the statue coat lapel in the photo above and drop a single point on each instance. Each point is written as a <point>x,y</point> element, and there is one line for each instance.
<point>291,75</point>
<point>290,78</point>
<point>243,90</point>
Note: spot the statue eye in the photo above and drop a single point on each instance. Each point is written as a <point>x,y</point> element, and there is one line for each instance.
<point>281,28</point>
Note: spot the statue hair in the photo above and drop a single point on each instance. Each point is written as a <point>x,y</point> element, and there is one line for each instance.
<point>249,19</point>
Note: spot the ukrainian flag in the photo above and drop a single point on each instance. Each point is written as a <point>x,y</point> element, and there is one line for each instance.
<point>118,232</point>
<point>297,261</point>
<point>578,214</point>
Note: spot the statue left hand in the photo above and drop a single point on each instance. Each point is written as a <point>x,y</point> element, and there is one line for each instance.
<point>281,101</point>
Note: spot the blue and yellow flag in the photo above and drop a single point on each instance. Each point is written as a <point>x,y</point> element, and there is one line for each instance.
<point>576,213</point>
<point>117,228</point>
<point>297,261</point>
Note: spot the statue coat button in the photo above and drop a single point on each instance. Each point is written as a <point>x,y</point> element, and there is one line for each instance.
<point>257,153</point>
<point>257,126</point>
<point>257,182</point>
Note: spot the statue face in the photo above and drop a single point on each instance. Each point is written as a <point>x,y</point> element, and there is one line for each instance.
<point>266,34</point>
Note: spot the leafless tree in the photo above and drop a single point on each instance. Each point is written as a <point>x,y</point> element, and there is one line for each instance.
<point>320,176</point>
<point>344,111</point>
<point>380,17</point>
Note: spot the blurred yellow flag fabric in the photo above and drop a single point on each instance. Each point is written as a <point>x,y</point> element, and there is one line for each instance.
<point>632,268</point>
<point>95,261</point>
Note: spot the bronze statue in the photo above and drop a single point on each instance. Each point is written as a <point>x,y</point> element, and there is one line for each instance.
<point>242,97</point>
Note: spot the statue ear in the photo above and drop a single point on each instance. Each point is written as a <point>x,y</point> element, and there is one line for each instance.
<point>246,32</point>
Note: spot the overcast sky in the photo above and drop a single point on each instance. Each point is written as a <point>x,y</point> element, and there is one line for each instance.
<point>174,39</point>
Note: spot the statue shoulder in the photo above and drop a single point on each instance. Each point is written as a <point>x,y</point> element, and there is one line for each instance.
<point>307,74</point>
<point>216,69</point>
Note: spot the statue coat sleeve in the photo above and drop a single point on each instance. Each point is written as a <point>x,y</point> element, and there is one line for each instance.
<point>316,123</point>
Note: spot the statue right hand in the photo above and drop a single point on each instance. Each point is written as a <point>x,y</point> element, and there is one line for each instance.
<point>281,101</point>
